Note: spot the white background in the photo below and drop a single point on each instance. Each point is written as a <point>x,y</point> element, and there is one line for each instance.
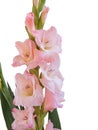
<point>77,23</point>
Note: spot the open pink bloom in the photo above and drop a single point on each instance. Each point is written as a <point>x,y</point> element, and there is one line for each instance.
<point>28,91</point>
<point>24,119</point>
<point>29,22</point>
<point>50,59</point>
<point>51,78</point>
<point>43,58</point>
<point>28,54</point>
<point>53,100</point>
<point>49,40</point>
<point>49,126</point>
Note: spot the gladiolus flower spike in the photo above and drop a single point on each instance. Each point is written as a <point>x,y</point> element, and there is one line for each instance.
<point>38,90</point>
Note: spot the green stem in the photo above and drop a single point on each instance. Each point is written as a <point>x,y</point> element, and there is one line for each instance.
<point>39,111</point>
<point>37,13</point>
<point>40,114</point>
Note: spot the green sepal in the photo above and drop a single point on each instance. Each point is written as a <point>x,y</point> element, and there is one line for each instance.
<point>35,71</point>
<point>30,35</point>
<point>41,4</point>
<point>36,15</point>
<point>6,112</point>
<point>54,117</point>
<point>40,23</point>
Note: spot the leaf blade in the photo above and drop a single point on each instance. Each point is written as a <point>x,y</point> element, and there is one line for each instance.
<point>6,112</point>
<point>5,90</point>
<point>54,117</point>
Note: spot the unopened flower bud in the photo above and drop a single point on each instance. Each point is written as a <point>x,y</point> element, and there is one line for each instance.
<point>29,22</point>
<point>36,2</point>
<point>44,14</point>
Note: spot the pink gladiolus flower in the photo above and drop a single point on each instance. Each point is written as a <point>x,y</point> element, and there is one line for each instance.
<point>51,78</point>
<point>48,41</point>
<point>43,58</point>
<point>49,126</point>
<point>24,119</point>
<point>28,54</point>
<point>29,22</point>
<point>53,100</point>
<point>28,91</point>
<point>52,81</point>
<point>26,51</point>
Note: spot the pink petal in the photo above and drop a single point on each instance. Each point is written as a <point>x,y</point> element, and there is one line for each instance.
<point>26,53</point>
<point>49,126</point>
<point>53,100</point>
<point>18,61</point>
<point>28,91</point>
<point>29,22</point>
<point>48,40</point>
<point>24,119</point>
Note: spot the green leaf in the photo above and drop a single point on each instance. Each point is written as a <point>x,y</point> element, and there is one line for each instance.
<point>6,112</point>
<point>10,91</point>
<point>6,96</point>
<point>5,90</point>
<point>54,117</point>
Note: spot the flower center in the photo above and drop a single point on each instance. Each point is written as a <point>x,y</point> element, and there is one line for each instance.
<point>28,90</point>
